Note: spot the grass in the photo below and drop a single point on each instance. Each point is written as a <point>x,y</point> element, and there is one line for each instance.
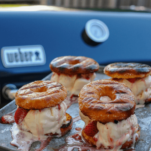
<point>13,5</point>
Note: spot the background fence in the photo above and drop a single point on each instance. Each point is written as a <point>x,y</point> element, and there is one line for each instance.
<point>87,3</point>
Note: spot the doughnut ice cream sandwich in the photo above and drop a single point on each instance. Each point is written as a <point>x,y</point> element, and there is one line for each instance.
<point>134,75</point>
<point>41,110</point>
<point>73,72</point>
<point>107,109</point>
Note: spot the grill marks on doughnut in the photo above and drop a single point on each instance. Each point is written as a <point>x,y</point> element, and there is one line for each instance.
<point>123,67</point>
<point>127,70</point>
<point>119,106</point>
<point>40,94</point>
<point>73,65</point>
<point>49,87</point>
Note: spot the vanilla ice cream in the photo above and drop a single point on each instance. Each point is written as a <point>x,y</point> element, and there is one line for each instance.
<point>45,121</point>
<point>72,83</point>
<point>141,88</point>
<point>114,135</point>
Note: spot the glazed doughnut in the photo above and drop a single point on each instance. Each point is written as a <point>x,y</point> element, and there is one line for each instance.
<point>40,94</point>
<point>127,144</point>
<point>127,70</point>
<point>73,65</point>
<point>120,107</point>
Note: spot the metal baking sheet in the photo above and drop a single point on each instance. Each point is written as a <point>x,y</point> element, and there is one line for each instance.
<point>143,115</point>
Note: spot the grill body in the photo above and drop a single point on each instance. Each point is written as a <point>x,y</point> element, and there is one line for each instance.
<point>60,34</point>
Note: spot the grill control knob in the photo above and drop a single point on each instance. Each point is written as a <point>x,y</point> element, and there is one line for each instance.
<point>9,91</point>
<point>95,32</point>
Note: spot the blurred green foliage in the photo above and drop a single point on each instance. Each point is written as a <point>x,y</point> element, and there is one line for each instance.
<point>13,5</point>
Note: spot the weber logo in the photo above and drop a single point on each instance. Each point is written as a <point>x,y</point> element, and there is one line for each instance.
<point>23,56</point>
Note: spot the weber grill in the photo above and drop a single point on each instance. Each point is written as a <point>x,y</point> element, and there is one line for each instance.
<point>30,40</point>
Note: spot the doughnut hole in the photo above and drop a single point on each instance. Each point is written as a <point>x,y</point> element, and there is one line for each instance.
<point>105,99</point>
<point>73,62</point>
<point>107,94</point>
<point>39,89</point>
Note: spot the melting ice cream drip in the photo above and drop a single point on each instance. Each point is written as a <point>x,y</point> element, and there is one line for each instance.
<point>23,139</point>
<point>114,135</point>
<point>37,125</point>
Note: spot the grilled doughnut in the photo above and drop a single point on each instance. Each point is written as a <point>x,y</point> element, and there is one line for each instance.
<point>120,107</point>
<point>73,65</point>
<point>127,70</point>
<point>40,94</point>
